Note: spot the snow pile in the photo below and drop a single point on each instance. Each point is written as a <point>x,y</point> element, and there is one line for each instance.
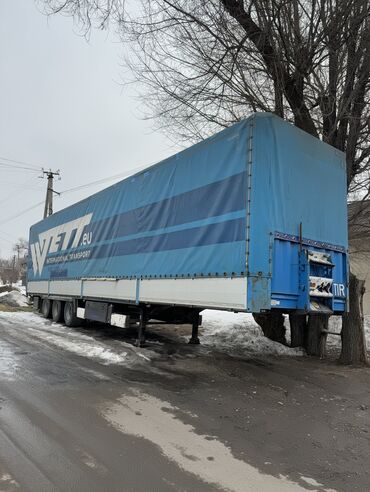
<point>75,341</point>
<point>335,325</point>
<point>22,289</point>
<point>13,299</point>
<point>239,334</point>
<point>19,286</point>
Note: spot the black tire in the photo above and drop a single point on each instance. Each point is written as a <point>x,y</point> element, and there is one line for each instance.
<point>57,311</point>
<point>46,308</point>
<point>39,309</point>
<point>37,301</point>
<point>70,318</point>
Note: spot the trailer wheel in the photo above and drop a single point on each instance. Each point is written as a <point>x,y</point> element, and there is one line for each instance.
<point>70,317</point>
<point>57,311</point>
<point>46,308</point>
<point>37,304</point>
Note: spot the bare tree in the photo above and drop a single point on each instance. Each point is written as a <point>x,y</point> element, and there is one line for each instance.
<point>204,65</point>
<point>20,247</point>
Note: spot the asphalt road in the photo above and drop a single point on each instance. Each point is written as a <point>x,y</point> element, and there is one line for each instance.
<point>84,410</point>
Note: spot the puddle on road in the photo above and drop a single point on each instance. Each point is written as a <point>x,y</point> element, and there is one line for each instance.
<point>150,418</point>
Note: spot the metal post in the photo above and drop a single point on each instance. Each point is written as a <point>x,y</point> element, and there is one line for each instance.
<point>194,340</point>
<point>141,330</point>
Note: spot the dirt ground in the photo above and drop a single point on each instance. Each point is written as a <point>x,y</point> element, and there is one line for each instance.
<point>83,409</point>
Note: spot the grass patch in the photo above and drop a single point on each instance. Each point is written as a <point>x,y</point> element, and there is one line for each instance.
<point>10,309</point>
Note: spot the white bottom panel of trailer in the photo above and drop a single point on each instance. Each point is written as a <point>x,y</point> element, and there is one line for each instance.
<point>226,293</point>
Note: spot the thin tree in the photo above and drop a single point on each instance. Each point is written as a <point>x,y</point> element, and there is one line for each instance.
<point>20,247</point>
<point>203,65</point>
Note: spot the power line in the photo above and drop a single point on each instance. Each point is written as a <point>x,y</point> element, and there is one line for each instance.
<point>76,188</point>
<point>9,235</point>
<point>2,238</point>
<point>22,212</point>
<point>15,167</point>
<point>21,162</point>
<point>104,180</point>
<point>18,186</point>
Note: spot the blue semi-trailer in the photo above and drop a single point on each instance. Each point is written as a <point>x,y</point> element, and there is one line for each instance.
<point>252,219</point>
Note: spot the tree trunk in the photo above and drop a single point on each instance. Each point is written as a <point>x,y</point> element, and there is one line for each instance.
<point>317,334</point>
<point>353,334</point>
<point>272,325</point>
<point>298,330</point>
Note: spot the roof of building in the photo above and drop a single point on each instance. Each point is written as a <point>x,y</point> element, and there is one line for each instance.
<point>359,219</point>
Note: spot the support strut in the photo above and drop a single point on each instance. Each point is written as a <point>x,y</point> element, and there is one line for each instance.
<point>140,342</point>
<point>194,340</point>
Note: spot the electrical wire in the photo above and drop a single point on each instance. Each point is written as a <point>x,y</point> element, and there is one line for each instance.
<point>104,180</point>
<point>21,213</point>
<point>22,162</point>
<point>19,186</point>
<point>7,234</point>
<point>76,188</point>
<point>2,238</point>
<point>14,167</point>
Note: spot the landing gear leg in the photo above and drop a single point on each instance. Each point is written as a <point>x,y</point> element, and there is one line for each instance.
<point>140,342</point>
<point>194,340</point>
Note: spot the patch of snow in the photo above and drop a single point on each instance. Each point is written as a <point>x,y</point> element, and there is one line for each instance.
<point>311,481</point>
<point>22,289</point>
<point>91,349</point>
<point>9,480</point>
<point>8,361</point>
<point>238,334</point>
<point>13,299</point>
<point>335,325</point>
<point>157,421</point>
<point>72,340</point>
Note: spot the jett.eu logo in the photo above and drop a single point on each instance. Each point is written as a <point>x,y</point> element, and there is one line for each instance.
<point>58,239</point>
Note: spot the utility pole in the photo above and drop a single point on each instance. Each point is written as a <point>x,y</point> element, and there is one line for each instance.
<point>48,210</point>
<point>18,248</point>
<point>13,272</point>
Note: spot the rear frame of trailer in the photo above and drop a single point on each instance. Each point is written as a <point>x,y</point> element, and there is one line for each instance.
<point>252,219</point>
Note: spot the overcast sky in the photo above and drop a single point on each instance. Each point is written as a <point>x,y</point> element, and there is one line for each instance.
<point>62,107</point>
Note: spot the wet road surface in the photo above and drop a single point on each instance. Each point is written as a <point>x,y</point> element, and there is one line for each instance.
<point>83,410</point>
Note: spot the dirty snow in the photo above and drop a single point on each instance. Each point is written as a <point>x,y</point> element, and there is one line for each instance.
<point>234,333</point>
<point>72,340</point>
<point>335,325</point>
<point>238,333</point>
<point>158,421</point>
<point>367,331</point>
<point>22,289</point>
<point>13,299</point>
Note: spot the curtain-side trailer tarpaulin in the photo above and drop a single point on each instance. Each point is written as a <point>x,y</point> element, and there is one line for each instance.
<point>221,224</point>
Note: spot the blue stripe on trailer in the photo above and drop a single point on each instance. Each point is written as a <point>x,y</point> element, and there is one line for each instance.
<point>222,197</point>
<point>228,231</point>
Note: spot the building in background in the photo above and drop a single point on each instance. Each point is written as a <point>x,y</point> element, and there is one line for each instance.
<point>359,244</point>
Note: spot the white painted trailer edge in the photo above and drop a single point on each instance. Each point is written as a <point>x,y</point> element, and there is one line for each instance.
<point>217,293</point>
